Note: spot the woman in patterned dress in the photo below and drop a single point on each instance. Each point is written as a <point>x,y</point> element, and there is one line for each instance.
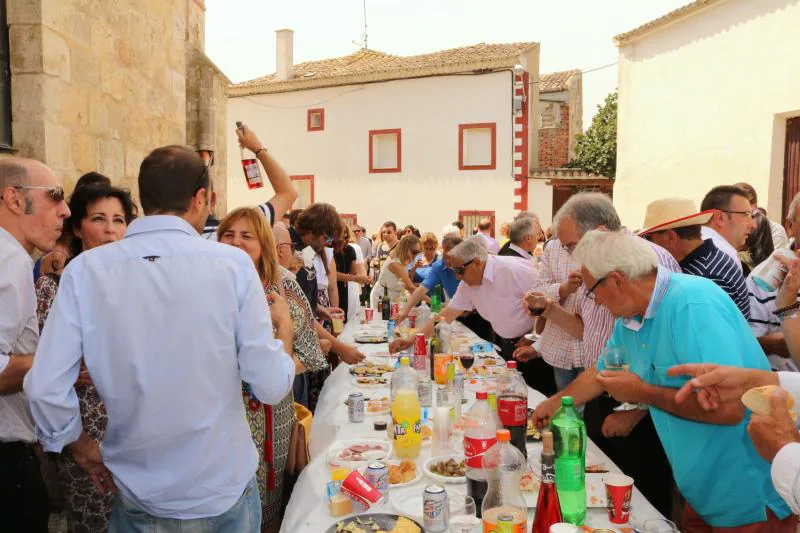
<point>100,215</point>
<point>246,228</point>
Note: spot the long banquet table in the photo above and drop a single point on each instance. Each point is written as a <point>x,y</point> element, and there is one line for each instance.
<point>307,510</point>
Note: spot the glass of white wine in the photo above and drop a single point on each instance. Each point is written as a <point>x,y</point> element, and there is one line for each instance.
<point>463,513</point>
<point>616,360</point>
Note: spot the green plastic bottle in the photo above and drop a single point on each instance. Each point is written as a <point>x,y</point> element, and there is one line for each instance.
<point>436,300</point>
<point>569,441</point>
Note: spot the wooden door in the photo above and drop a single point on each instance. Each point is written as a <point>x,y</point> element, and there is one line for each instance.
<point>791,164</point>
<point>471,219</point>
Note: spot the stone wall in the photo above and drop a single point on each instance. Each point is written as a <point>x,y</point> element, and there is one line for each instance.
<point>97,84</point>
<point>554,134</point>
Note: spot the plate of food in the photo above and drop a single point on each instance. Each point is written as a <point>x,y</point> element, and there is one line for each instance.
<point>349,453</point>
<point>378,406</point>
<point>401,472</point>
<point>371,383</point>
<point>532,433</point>
<point>446,469</point>
<point>376,523</point>
<point>369,369</point>
<point>370,338</point>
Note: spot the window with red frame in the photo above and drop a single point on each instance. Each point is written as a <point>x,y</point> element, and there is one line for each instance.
<point>477,146</point>
<point>385,151</point>
<point>315,119</point>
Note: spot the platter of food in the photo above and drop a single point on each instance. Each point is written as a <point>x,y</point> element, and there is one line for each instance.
<point>343,454</point>
<point>370,338</point>
<point>370,369</point>
<point>401,472</point>
<point>371,383</point>
<point>376,523</point>
<point>446,469</point>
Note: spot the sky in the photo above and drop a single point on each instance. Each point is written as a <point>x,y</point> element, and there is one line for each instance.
<point>574,34</point>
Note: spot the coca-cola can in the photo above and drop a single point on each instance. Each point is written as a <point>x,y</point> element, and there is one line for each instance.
<point>355,407</point>
<point>395,310</point>
<point>358,489</point>
<point>378,476</point>
<point>435,509</point>
<point>420,346</point>
<point>412,321</point>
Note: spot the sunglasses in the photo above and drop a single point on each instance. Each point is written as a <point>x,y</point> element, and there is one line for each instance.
<point>56,194</point>
<point>460,270</point>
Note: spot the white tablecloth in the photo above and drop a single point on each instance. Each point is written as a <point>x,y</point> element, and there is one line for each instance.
<point>307,511</point>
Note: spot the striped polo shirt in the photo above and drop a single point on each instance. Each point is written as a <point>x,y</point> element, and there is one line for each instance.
<point>708,261</point>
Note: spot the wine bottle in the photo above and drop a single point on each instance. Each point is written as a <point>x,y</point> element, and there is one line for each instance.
<point>548,510</point>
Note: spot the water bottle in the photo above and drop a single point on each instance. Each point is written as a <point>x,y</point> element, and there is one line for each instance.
<point>569,441</point>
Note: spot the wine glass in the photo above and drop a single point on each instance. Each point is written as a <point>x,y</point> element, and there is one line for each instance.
<point>616,360</point>
<point>466,357</point>
<point>463,515</point>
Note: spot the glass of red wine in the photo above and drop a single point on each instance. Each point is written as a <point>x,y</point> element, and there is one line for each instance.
<point>467,358</point>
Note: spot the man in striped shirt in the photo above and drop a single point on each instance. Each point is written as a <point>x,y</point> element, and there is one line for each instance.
<point>674,224</point>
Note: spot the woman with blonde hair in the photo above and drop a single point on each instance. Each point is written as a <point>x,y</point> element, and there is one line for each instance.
<point>394,274</point>
<point>248,229</point>
<point>422,263</point>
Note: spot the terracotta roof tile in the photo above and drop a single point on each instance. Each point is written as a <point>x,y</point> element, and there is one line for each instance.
<point>556,81</point>
<point>370,65</point>
<point>672,16</point>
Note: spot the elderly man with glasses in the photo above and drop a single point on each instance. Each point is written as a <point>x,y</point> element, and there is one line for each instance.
<point>494,286</point>
<point>664,320</point>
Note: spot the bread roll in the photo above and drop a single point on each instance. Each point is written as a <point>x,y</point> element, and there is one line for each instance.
<point>759,400</point>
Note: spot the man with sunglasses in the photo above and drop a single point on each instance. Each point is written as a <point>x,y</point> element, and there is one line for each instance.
<point>732,222</point>
<point>32,214</point>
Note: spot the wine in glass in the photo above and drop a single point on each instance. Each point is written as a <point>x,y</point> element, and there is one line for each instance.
<point>616,360</point>
<point>467,358</point>
<point>462,515</point>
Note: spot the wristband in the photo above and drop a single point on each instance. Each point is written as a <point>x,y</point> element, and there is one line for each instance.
<point>262,149</point>
<point>789,309</point>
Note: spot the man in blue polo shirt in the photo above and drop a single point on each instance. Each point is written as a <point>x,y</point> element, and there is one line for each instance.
<point>666,319</point>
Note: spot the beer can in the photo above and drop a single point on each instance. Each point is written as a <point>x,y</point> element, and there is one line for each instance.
<point>355,407</point>
<point>769,274</point>
<point>505,523</point>
<point>436,510</point>
<point>358,489</point>
<point>378,476</point>
<point>395,310</point>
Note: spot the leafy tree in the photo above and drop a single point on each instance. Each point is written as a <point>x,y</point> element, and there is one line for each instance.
<point>596,150</point>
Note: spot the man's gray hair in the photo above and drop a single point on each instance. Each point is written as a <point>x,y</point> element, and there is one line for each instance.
<point>526,214</point>
<point>12,173</point>
<point>521,228</point>
<point>602,252</point>
<point>589,210</point>
<point>792,213</point>
<point>474,247</point>
<point>450,241</point>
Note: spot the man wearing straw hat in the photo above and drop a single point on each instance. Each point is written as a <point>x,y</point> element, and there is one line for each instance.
<point>675,224</point>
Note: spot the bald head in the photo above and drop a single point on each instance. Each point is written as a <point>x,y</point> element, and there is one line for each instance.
<point>283,243</point>
<point>19,172</point>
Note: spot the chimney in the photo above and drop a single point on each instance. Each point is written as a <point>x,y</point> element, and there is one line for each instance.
<point>284,54</point>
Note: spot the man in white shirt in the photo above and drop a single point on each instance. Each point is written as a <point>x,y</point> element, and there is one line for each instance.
<point>775,436</point>
<point>732,222</point>
<point>169,326</point>
<point>32,213</point>
<point>484,230</point>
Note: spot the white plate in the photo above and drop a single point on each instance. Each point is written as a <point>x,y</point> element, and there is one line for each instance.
<point>369,338</point>
<point>444,479</point>
<point>334,461</point>
<point>408,501</point>
<point>371,385</point>
<point>417,476</point>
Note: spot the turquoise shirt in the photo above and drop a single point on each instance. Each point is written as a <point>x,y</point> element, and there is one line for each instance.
<point>717,469</point>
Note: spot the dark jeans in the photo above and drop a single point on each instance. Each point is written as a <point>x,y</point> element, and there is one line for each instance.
<point>24,506</point>
<point>537,373</point>
<point>639,455</point>
<point>478,325</point>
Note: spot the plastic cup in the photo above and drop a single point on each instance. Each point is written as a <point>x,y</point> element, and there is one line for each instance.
<point>619,489</point>
<point>369,313</point>
<point>337,321</point>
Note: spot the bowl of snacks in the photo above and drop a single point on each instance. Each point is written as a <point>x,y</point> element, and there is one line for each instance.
<point>446,469</point>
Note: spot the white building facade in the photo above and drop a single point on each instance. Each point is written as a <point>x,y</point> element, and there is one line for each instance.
<point>421,140</point>
<point>708,95</point>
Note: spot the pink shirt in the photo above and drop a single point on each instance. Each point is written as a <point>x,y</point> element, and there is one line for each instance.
<point>498,298</point>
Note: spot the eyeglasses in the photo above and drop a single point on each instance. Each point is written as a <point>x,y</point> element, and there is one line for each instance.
<point>289,244</point>
<point>56,194</point>
<point>749,215</point>
<point>569,248</point>
<point>460,270</point>
<point>590,294</point>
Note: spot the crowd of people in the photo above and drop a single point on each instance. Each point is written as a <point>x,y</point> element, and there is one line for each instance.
<point>193,361</point>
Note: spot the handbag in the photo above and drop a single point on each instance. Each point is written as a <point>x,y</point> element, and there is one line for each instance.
<point>299,456</point>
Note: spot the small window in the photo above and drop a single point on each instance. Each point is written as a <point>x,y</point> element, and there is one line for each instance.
<point>385,153</point>
<point>477,146</point>
<point>316,120</point>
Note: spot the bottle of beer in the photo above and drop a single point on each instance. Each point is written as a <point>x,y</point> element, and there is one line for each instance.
<point>252,174</point>
<point>386,305</point>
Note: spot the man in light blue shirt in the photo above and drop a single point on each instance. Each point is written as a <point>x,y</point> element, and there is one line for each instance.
<point>169,325</point>
<point>666,319</point>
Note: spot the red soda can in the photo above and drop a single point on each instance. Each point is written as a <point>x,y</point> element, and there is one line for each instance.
<point>395,310</point>
<point>420,346</point>
<point>359,490</point>
<point>412,321</point>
